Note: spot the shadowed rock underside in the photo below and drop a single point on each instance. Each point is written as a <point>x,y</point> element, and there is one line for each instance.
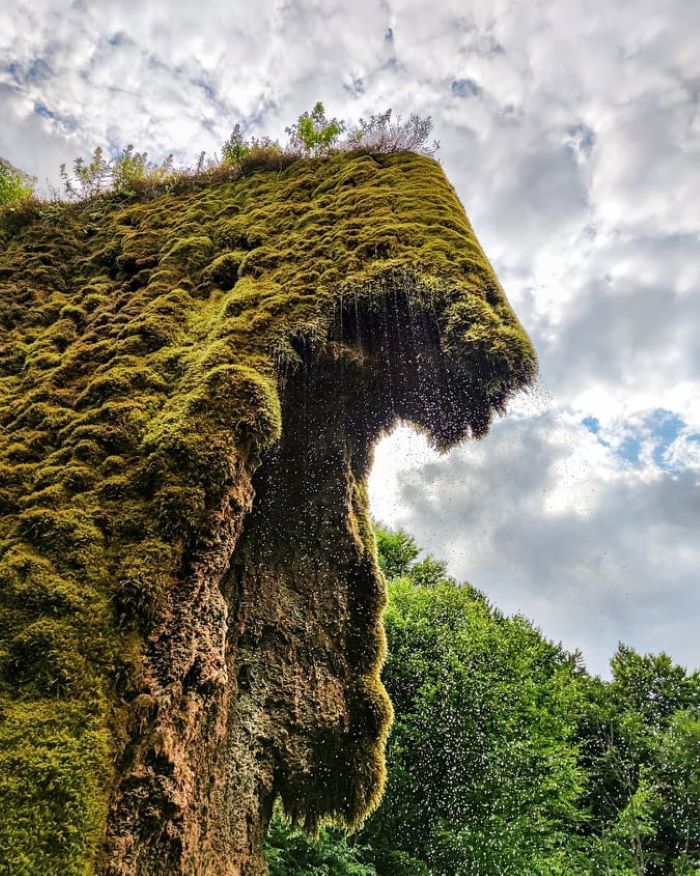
<point>190,389</point>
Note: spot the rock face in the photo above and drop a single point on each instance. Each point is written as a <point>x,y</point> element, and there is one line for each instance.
<point>190,606</point>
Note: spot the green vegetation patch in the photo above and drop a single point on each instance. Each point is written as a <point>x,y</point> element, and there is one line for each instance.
<point>15,186</point>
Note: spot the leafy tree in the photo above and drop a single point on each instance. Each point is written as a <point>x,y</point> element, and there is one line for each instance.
<point>429,572</point>
<point>640,748</point>
<point>507,757</point>
<point>235,149</point>
<point>131,170</point>
<point>14,184</point>
<point>290,852</point>
<point>675,772</point>
<point>652,686</point>
<point>313,133</point>
<point>483,776</point>
<point>397,552</point>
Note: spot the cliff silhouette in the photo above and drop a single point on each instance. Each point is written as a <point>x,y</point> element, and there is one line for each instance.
<point>191,384</point>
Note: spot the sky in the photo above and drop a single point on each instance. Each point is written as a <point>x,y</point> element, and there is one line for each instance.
<point>571,132</point>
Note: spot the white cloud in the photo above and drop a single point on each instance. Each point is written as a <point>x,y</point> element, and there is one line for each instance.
<point>551,523</point>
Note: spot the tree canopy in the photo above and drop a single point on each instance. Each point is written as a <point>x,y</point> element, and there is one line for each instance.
<point>15,185</point>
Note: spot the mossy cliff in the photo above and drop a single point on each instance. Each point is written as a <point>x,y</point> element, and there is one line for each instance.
<point>190,606</point>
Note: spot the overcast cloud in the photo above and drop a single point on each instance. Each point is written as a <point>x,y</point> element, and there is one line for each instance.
<point>571,130</point>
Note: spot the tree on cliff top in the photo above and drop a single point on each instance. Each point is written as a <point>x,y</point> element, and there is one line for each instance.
<point>14,184</point>
<point>313,133</point>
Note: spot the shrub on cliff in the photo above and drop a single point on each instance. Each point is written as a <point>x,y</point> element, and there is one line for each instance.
<point>14,184</point>
<point>313,133</point>
<point>132,170</point>
<point>129,172</point>
<point>381,133</point>
<point>126,172</point>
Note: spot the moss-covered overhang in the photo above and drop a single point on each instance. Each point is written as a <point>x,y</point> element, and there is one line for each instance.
<point>143,348</point>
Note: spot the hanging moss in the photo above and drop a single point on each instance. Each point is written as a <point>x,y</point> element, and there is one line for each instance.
<point>144,351</point>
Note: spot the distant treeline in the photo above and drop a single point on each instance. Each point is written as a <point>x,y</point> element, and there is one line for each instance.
<point>506,756</point>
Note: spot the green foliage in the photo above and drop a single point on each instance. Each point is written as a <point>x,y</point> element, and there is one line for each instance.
<point>313,133</point>
<point>398,557</point>
<point>397,552</point>
<point>235,150</point>
<point>640,745</point>
<point>429,572</point>
<point>132,171</point>
<point>507,757</point>
<point>129,168</point>
<point>127,172</point>
<point>482,775</point>
<point>291,852</point>
<point>89,177</point>
<point>15,186</point>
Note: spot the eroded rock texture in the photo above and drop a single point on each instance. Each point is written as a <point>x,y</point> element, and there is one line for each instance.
<point>190,606</point>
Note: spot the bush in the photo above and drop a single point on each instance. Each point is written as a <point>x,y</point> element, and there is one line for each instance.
<point>14,184</point>
<point>235,149</point>
<point>314,134</point>
<point>90,178</point>
<point>132,170</point>
<point>380,134</point>
<point>126,172</point>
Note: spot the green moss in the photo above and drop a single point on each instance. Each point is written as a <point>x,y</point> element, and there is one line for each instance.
<point>142,344</point>
<point>53,768</point>
<point>224,270</point>
<point>190,253</point>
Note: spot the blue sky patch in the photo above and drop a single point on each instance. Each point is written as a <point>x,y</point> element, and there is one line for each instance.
<point>465,88</point>
<point>118,39</point>
<point>666,427</point>
<point>35,71</point>
<point>68,123</point>
<point>582,138</point>
<point>653,433</point>
<point>592,424</point>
